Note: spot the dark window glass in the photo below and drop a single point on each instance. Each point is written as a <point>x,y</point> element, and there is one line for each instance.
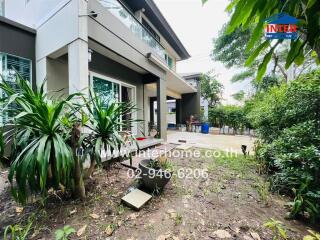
<point>9,66</point>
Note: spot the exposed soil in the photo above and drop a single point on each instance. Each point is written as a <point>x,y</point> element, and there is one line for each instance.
<point>232,198</point>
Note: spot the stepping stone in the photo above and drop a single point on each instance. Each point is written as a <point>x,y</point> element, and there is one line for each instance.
<point>183,147</point>
<point>136,199</point>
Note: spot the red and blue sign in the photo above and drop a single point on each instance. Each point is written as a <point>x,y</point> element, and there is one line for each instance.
<point>281,26</point>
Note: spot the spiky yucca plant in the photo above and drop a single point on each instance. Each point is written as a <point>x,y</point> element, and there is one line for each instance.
<point>106,125</point>
<point>41,156</point>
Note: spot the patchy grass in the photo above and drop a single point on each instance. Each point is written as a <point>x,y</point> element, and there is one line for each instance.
<point>230,197</point>
<point>237,163</point>
<point>178,219</point>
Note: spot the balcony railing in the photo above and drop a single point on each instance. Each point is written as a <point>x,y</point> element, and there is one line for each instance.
<point>118,10</point>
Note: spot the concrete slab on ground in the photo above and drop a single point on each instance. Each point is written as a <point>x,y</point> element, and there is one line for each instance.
<point>210,141</point>
<point>136,199</point>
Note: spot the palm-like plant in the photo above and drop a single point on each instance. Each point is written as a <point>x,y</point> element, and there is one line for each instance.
<point>41,157</point>
<point>106,123</point>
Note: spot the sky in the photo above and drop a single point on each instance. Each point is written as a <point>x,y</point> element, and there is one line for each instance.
<point>196,26</point>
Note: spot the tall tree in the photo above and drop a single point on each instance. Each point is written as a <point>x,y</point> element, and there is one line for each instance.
<point>247,14</point>
<point>211,89</point>
<point>230,49</point>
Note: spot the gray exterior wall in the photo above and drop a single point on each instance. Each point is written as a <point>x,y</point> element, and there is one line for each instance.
<point>18,40</point>
<point>190,102</point>
<point>190,105</point>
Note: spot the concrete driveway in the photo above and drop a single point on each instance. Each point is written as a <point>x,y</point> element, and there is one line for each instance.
<point>210,141</point>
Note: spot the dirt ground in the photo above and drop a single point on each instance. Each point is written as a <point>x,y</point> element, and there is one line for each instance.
<point>232,200</point>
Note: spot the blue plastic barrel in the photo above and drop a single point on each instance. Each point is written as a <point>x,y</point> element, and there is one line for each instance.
<point>205,128</point>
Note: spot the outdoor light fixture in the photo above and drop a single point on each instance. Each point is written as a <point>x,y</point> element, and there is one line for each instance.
<point>90,14</point>
<point>90,55</point>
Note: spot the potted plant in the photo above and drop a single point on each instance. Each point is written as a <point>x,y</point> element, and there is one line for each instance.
<point>155,174</point>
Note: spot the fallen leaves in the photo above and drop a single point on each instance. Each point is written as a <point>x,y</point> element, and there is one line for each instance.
<point>73,211</point>
<point>94,216</point>
<point>172,213</point>
<point>81,231</point>
<point>255,236</point>
<point>109,230</point>
<point>19,210</point>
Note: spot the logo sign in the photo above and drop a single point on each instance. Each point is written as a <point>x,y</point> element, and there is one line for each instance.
<point>281,26</point>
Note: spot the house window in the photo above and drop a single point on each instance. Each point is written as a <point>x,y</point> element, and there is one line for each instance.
<point>169,61</point>
<point>2,7</point>
<point>150,29</point>
<point>9,65</point>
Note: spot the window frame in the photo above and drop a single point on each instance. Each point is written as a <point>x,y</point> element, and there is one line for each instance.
<point>2,7</point>
<point>4,67</point>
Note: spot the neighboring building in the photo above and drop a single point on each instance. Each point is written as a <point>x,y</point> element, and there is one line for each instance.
<point>121,48</point>
<point>194,101</point>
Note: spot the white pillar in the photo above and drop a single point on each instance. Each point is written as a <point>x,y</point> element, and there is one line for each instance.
<point>162,108</point>
<point>78,67</point>
<point>146,109</point>
<point>41,73</point>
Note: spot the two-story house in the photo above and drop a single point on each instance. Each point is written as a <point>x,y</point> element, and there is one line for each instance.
<point>121,47</point>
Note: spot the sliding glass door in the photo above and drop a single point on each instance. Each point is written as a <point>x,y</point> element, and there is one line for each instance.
<point>111,90</point>
<point>107,90</point>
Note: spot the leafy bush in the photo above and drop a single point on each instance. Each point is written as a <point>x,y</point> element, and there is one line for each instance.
<point>41,157</point>
<point>46,138</point>
<point>229,115</point>
<point>287,119</point>
<point>19,232</point>
<point>278,229</point>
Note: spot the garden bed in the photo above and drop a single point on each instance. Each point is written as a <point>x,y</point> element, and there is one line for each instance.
<point>233,199</point>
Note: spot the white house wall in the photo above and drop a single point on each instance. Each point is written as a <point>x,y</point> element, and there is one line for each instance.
<point>61,29</point>
<point>31,12</point>
<point>57,77</point>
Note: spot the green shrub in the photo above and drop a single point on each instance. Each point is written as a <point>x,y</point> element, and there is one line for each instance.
<point>287,120</point>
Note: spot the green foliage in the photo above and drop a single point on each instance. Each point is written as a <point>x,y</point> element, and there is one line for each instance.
<point>161,164</point>
<point>39,140</point>
<point>46,135</point>
<point>229,115</point>
<point>246,74</point>
<point>241,40</point>
<point>64,233</point>
<point>239,96</point>
<point>286,119</point>
<point>266,83</point>
<point>312,236</point>
<point>106,121</point>
<point>211,89</point>
<point>18,232</point>
<point>230,48</point>
<point>253,13</point>
<point>277,228</point>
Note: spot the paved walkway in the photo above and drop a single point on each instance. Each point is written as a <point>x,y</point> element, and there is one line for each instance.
<point>210,141</point>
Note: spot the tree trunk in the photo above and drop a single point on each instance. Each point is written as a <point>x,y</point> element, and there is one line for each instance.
<point>79,188</point>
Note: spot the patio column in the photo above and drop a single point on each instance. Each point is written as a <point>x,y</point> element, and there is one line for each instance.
<point>41,73</point>
<point>162,108</point>
<point>178,111</point>
<point>78,67</point>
